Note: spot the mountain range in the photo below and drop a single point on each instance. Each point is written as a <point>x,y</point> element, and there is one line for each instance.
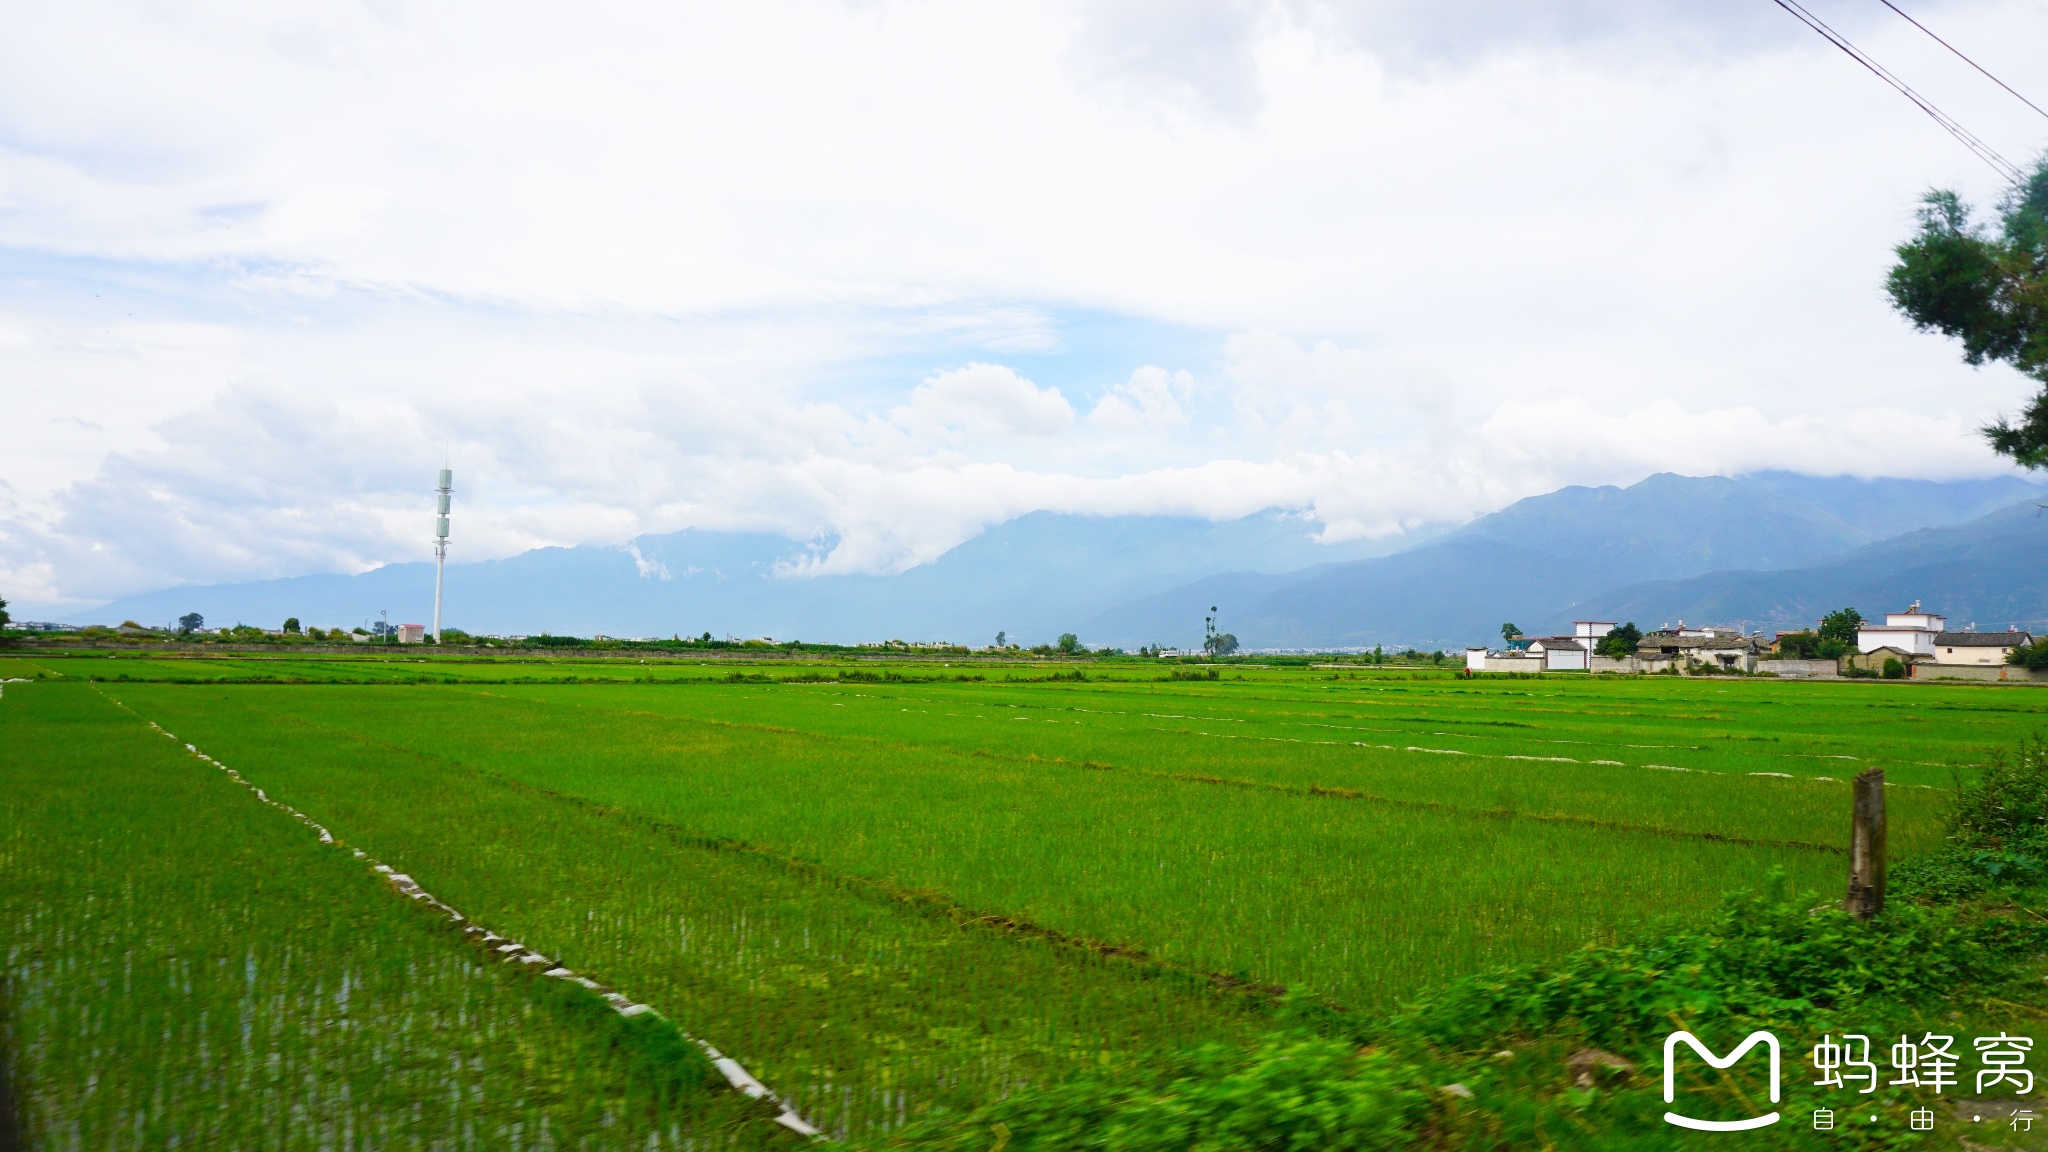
<point>1770,548</point>
<point>1033,577</point>
<point>1604,553</point>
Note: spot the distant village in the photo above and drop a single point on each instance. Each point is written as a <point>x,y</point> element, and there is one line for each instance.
<point>1914,644</point>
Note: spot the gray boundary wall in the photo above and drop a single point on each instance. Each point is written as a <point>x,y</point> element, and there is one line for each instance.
<point>2008,673</point>
<point>1802,669</point>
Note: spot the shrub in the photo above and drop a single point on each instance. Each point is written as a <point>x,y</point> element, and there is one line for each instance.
<point>2008,804</point>
<point>546,641</point>
<point>1893,670</point>
<point>1296,1090</point>
<point>1766,956</point>
<point>1997,832</point>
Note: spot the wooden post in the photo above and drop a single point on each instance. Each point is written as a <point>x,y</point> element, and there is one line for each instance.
<point>1866,848</point>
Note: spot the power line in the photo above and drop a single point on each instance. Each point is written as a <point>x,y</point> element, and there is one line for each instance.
<point>1963,58</point>
<point>1999,164</point>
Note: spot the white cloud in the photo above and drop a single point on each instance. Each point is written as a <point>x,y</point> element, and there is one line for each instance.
<point>648,568</point>
<point>984,400</point>
<point>1151,399</point>
<point>1195,54</point>
<point>845,272</point>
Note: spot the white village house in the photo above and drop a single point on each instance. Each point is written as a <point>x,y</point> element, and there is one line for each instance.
<point>1683,647</point>
<point>1573,653</point>
<point>1560,653</point>
<point>1911,632</point>
<point>1924,636</point>
<point>1913,637</point>
<point>1978,647</point>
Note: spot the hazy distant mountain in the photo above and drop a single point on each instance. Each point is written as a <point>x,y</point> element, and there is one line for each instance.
<point>1133,580</point>
<point>1033,577</point>
<point>1989,573</point>
<point>1530,562</point>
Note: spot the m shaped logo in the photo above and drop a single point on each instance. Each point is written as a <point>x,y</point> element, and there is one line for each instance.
<point>1671,1086</point>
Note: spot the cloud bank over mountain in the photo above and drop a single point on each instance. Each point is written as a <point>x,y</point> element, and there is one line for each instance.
<point>1756,549</point>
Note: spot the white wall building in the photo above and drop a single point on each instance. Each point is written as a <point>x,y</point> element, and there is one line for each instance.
<point>1978,647</point>
<point>1560,653</point>
<point>1589,632</point>
<point>1911,631</point>
<point>1513,660</point>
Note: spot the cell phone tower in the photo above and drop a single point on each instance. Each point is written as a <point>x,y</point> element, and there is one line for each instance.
<point>446,492</point>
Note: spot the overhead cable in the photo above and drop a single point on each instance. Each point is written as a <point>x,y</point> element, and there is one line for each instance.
<point>2006,169</point>
<point>1963,58</point>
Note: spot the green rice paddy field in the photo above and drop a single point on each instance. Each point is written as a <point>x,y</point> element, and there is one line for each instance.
<point>885,890</point>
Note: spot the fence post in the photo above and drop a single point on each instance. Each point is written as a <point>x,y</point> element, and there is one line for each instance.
<point>1866,848</point>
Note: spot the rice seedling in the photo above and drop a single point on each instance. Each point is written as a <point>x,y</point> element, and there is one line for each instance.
<point>184,967</point>
<point>1363,901</point>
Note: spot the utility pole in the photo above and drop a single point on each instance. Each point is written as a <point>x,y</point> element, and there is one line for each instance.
<point>446,491</point>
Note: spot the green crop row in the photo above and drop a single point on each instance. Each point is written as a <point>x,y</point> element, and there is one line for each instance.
<point>186,967</point>
<point>1920,733</point>
<point>862,1004</point>
<point>1363,902</point>
<point>1256,743</point>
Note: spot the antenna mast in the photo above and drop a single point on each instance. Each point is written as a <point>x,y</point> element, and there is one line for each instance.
<point>445,491</point>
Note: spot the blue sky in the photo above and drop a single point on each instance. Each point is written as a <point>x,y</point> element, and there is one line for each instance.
<point>886,274</point>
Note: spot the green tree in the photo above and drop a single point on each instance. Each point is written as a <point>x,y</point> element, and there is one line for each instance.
<point>1619,643</point>
<point>191,622</point>
<point>291,625</point>
<point>5,619</point>
<point>2033,655</point>
<point>1221,644</point>
<point>1991,292</point>
<point>1508,632</point>
<point>1840,627</point>
<point>1800,645</point>
<point>1002,639</point>
<point>1070,644</point>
